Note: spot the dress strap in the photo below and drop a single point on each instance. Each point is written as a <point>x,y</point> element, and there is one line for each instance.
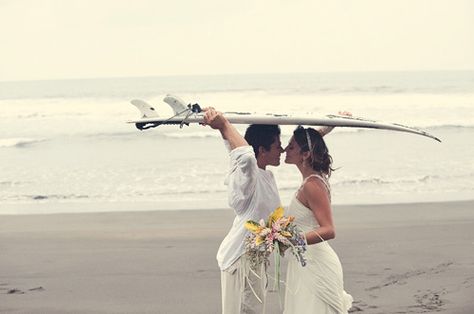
<point>321,178</point>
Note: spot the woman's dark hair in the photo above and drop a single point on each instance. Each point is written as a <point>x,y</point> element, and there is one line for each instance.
<point>262,135</point>
<point>320,160</point>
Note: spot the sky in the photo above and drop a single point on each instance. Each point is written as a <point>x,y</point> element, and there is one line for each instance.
<point>60,39</point>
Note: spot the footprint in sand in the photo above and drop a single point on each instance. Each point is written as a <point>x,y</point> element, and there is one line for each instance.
<point>468,282</point>
<point>19,291</point>
<point>355,308</point>
<point>401,279</point>
<point>430,300</point>
<point>360,306</point>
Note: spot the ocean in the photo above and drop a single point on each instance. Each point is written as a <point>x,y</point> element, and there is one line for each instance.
<point>65,146</point>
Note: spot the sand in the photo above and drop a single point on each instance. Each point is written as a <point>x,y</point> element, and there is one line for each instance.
<point>403,258</point>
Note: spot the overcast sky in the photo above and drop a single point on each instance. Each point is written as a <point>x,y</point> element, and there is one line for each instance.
<point>53,39</point>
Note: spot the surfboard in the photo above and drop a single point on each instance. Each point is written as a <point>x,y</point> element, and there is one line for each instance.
<point>184,114</point>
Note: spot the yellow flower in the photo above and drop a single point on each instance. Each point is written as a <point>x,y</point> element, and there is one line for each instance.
<point>285,234</point>
<point>277,214</point>
<point>288,221</point>
<point>259,240</point>
<point>253,226</point>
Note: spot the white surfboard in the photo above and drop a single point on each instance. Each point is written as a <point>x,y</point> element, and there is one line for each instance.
<point>188,113</point>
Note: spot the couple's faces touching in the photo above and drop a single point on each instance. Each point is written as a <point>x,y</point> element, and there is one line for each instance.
<point>293,152</point>
<point>272,156</point>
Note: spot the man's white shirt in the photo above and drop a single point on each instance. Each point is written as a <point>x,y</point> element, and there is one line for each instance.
<point>253,195</point>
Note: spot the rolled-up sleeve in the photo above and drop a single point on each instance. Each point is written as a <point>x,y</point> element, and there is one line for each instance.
<point>242,178</point>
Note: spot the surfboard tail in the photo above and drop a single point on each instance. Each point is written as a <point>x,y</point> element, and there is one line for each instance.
<point>147,111</point>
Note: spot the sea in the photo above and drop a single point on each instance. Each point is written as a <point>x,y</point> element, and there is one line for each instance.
<point>65,145</point>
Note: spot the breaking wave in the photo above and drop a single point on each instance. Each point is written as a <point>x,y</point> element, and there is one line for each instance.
<point>19,142</point>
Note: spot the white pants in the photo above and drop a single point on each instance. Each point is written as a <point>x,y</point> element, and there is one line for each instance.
<point>237,299</point>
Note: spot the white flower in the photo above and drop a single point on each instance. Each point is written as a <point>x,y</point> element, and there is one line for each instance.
<point>265,232</point>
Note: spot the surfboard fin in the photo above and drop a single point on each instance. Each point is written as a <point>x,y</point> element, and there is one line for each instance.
<point>176,103</point>
<point>146,110</point>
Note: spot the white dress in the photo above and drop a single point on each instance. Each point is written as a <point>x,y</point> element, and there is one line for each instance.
<point>316,288</point>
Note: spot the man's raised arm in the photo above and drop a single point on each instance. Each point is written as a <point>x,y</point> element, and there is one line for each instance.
<point>216,120</point>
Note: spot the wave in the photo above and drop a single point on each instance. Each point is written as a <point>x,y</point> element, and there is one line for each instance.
<point>19,142</point>
<point>49,115</point>
<point>379,181</point>
<point>13,183</point>
<point>328,82</point>
<point>293,185</point>
<point>449,126</point>
<point>42,197</point>
<point>288,131</point>
<point>32,116</point>
<point>108,121</point>
<point>177,194</point>
<point>387,181</point>
<point>128,134</point>
<point>185,135</point>
<point>155,134</point>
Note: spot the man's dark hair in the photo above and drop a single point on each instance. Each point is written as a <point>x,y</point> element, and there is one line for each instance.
<point>261,135</point>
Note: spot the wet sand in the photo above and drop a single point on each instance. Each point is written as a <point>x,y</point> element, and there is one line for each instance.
<point>401,258</point>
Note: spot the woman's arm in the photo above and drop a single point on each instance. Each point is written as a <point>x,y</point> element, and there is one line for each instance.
<point>315,195</point>
<point>325,130</point>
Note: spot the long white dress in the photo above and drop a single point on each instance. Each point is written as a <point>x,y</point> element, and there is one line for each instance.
<point>316,288</point>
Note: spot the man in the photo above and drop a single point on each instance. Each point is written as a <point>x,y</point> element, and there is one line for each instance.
<point>253,195</point>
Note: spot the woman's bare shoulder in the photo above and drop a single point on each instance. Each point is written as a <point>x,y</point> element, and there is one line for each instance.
<point>314,187</point>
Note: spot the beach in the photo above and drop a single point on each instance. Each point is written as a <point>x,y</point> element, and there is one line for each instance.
<point>99,217</point>
<point>103,213</point>
<point>397,258</point>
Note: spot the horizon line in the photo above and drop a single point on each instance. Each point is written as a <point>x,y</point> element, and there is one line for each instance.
<point>225,74</point>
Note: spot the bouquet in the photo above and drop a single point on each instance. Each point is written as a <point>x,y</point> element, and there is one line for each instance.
<point>278,234</point>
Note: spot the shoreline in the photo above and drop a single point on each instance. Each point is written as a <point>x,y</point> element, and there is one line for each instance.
<point>184,209</point>
<point>410,258</point>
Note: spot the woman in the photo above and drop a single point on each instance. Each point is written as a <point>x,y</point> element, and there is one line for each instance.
<point>317,287</point>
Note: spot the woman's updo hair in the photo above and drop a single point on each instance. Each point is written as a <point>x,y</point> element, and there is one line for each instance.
<point>320,159</point>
